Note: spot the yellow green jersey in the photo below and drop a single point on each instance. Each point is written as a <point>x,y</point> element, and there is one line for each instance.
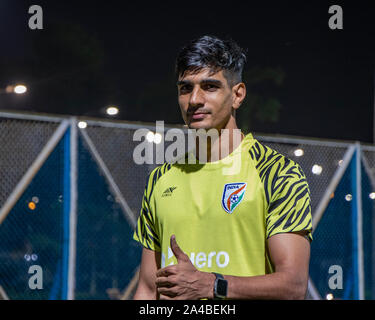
<point>223,212</point>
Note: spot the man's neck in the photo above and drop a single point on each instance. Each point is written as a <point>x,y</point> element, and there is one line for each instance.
<point>217,146</point>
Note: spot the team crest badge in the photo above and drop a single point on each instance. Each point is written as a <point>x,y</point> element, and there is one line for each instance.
<point>232,195</point>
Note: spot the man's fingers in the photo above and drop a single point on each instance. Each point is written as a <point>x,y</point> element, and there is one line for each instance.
<point>163,297</point>
<point>167,292</point>
<point>178,253</point>
<point>167,282</point>
<point>165,272</point>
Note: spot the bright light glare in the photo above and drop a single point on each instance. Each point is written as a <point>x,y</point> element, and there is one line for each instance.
<point>157,138</point>
<point>329,296</point>
<point>298,152</point>
<point>112,111</point>
<point>372,195</point>
<point>316,169</point>
<point>348,197</point>
<point>82,124</point>
<point>340,162</point>
<point>20,89</point>
<point>150,136</point>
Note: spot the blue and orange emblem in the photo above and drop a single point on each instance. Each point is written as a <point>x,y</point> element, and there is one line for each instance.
<point>232,195</point>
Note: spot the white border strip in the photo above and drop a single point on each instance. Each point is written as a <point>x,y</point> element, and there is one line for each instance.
<point>73,208</point>
<point>135,126</point>
<point>360,223</point>
<point>35,117</point>
<point>131,126</point>
<point>313,291</point>
<point>131,286</point>
<point>3,294</point>
<point>126,209</point>
<point>367,148</point>
<point>276,139</point>
<point>332,186</point>
<point>33,169</point>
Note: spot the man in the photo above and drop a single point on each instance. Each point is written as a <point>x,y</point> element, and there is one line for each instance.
<point>244,235</point>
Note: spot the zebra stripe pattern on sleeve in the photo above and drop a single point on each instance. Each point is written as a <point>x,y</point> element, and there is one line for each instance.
<point>286,191</point>
<point>146,231</point>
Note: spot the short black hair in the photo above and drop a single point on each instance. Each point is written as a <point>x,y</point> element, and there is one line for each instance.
<point>215,54</point>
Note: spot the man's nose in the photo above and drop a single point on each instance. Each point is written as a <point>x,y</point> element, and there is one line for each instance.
<point>196,98</point>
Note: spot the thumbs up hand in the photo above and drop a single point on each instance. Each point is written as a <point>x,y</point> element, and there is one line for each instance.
<point>178,253</point>
<point>183,281</point>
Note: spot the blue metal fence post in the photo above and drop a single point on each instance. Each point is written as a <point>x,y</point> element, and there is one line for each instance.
<point>66,214</point>
<point>357,245</point>
<point>360,255</point>
<point>353,179</point>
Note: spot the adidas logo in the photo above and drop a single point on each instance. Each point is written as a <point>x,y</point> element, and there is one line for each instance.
<point>168,192</point>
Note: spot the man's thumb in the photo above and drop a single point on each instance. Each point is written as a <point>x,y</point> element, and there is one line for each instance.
<point>178,253</point>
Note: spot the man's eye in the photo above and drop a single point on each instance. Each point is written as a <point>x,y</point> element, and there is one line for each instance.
<point>185,88</point>
<point>210,87</point>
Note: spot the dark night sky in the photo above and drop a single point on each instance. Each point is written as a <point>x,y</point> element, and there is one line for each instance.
<point>329,84</point>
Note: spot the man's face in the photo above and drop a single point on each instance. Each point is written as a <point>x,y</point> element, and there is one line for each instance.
<point>205,99</point>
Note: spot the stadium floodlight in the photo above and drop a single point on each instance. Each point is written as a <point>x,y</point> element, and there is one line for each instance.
<point>298,152</point>
<point>19,89</point>
<point>157,138</point>
<point>112,111</point>
<point>150,136</point>
<point>348,197</point>
<point>372,195</point>
<point>317,169</point>
<point>329,296</point>
<point>82,124</point>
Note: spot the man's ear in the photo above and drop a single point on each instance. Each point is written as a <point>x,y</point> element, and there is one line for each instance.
<point>239,94</point>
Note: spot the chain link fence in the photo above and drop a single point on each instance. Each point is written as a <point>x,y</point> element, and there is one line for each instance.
<point>21,142</point>
<point>32,232</point>
<point>70,197</point>
<point>334,243</point>
<point>107,258</point>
